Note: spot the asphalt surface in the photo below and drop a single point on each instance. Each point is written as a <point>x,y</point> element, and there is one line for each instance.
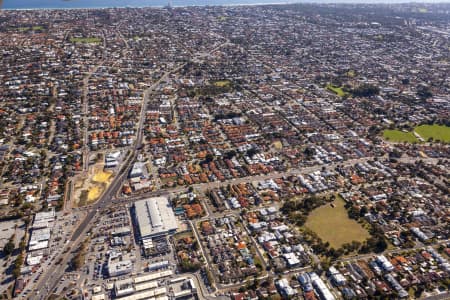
<point>52,276</point>
<point>50,279</point>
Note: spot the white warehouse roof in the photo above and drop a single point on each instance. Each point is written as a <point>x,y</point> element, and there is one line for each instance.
<point>155,217</point>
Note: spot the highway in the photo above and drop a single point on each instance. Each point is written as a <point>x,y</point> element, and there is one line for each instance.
<point>50,279</point>
<point>54,273</point>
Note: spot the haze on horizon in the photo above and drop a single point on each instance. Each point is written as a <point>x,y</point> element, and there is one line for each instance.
<point>68,4</point>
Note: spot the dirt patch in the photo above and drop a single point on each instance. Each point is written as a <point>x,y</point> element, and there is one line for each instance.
<point>102,177</point>
<point>88,189</point>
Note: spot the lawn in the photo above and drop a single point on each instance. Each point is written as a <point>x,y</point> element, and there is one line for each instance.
<point>333,225</point>
<point>337,90</point>
<point>35,28</point>
<point>87,40</point>
<point>351,73</point>
<point>278,145</point>
<point>399,136</point>
<point>222,83</point>
<point>437,132</point>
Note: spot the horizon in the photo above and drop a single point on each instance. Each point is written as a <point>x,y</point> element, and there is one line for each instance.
<point>102,4</point>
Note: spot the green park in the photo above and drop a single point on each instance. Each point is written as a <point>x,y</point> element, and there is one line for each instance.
<point>332,224</point>
<point>435,132</point>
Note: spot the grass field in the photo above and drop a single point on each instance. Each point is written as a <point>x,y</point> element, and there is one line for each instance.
<point>333,225</point>
<point>351,73</point>
<point>35,28</point>
<point>337,90</point>
<point>88,40</point>
<point>437,132</point>
<point>278,145</point>
<point>399,136</point>
<point>222,83</point>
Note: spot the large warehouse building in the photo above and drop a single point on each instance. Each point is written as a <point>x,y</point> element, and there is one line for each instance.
<point>155,217</point>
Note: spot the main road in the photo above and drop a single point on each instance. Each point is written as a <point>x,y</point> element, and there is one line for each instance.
<point>53,274</point>
<point>50,279</point>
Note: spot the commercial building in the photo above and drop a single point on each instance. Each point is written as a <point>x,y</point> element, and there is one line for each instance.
<point>137,170</point>
<point>44,219</point>
<point>154,217</point>
<point>142,287</point>
<point>119,268</point>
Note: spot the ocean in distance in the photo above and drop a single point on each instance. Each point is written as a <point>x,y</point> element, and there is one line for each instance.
<point>77,4</point>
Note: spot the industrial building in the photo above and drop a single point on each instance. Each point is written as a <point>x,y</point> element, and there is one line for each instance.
<point>40,236</point>
<point>154,217</point>
<point>137,171</point>
<point>119,268</point>
<point>142,287</point>
<point>44,219</point>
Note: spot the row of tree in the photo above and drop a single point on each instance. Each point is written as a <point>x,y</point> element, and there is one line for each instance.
<point>78,259</point>
<point>298,211</point>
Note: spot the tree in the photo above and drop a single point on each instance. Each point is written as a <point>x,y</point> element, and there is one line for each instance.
<point>424,92</point>
<point>17,265</point>
<point>209,158</point>
<point>27,205</point>
<point>78,261</point>
<point>309,151</point>
<point>363,211</point>
<point>376,244</point>
<point>9,247</point>
<point>366,90</point>
<point>300,219</point>
<point>188,266</point>
<point>230,154</point>
<point>418,292</point>
<point>354,212</point>
<point>251,152</point>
